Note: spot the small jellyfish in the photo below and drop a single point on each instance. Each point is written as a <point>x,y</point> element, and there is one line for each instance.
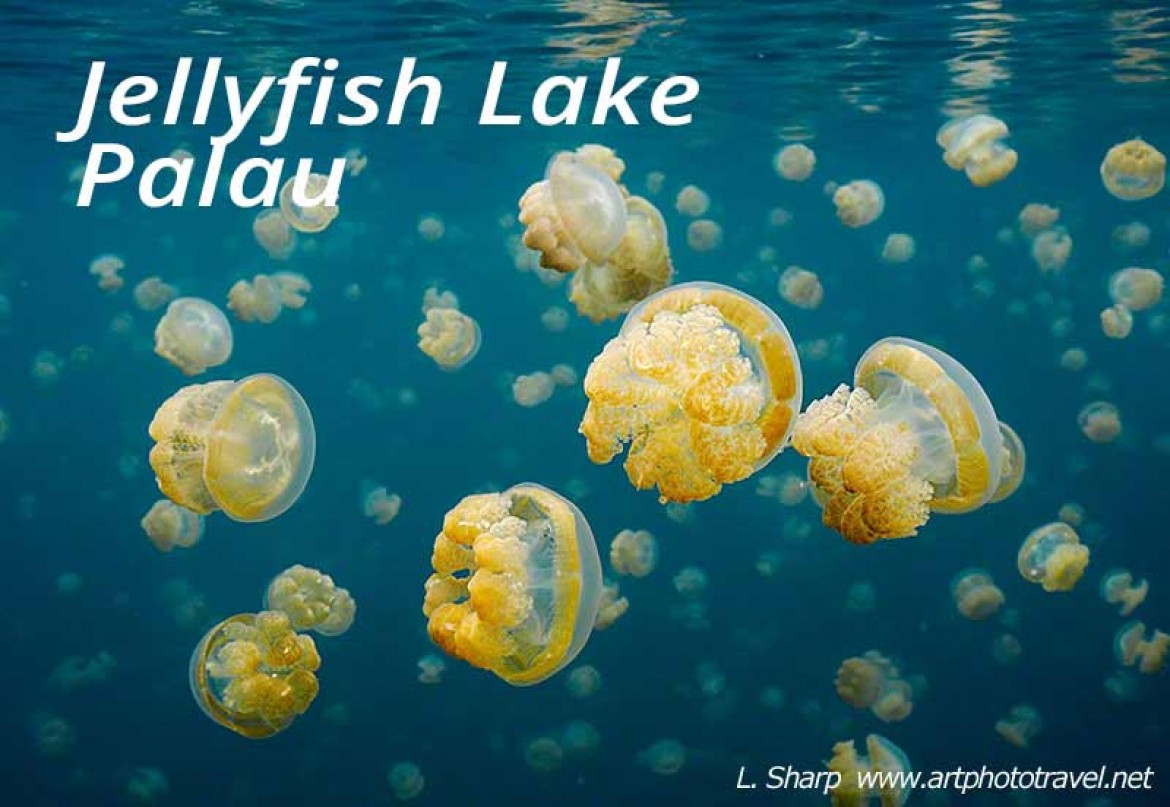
<point>882,770</point>
<point>788,488</point>
<point>974,145</point>
<point>53,736</point>
<point>580,740</point>
<point>1119,588</point>
<point>544,755</point>
<point>583,682</point>
<point>313,217</point>
<point>1021,725</point>
<point>917,434</point>
<point>355,161</point>
<point>975,594</point>
<point>795,162</point>
<point>704,235</point>
<point>1132,236</point>
<point>253,674</point>
<point>1122,686</point>
<point>47,367</point>
<point>257,301</point>
<point>517,583</point>
<point>193,335</point>
<point>107,269</point>
<point>379,505</point>
<point>1071,514</point>
<point>1053,556</point>
<point>1051,250</point>
<point>1135,288</point>
<point>873,682</point>
<point>1133,170</point>
<point>1100,421</point>
<point>450,337</point>
<point>1116,322</point>
<point>152,293</point>
<point>1074,359</point>
<point>1036,217</point>
<point>533,389</point>
<point>1015,464</point>
<point>68,583</point>
<point>611,606</point>
<point>406,780</point>
<point>773,698</point>
<point>655,181</point>
<point>664,758</point>
<point>555,319</point>
<point>168,525</point>
<point>702,381</point>
<point>692,201</point>
<point>1131,647</point>
<point>245,447</point>
<point>859,202</point>
<point>431,669</point>
<point>1006,649</point>
<point>311,601</point>
<point>431,229</point>
<point>861,598</point>
<point>801,287</point>
<point>633,552</point>
<point>147,786</point>
<point>690,582</point>
<point>899,248</point>
<point>273,233</point>
<point>563,375</point>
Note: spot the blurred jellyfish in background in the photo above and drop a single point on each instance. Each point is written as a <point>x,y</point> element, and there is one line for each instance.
<point>355,161</point>
<point>1051,251</point>
<point>655,182</point>
<point>1071,514</point>
<point>917,434</point>
<point>580,740</point>
<point>1015,464</point>
<point>1133,170</point>
<point>447,335</point>
<point>533,389</point>
<point>79,672</point>
<point>431,229</point>
<point>168,525</point>
<point>859,203</point>
<point>974,145</point>
<point>1131,647</point>
<point>431,669</point>
<point>152,293</point>
<point>193,335</point>
<point>406,780</point>
<point>107,269</point>
<point>495,553</point>
<point>313,217</point>
<point>692,201</point>
<point>883,757</point>
<point>1116,322</point>
<point>68,583</point>
<point>611,606</point>
<point>555,319</point>
<point>1074,359</point>
<point>46,368</point>
<point>690,582</point>
<point>1122,686</point>
<point>703,417</point>
<point>704,235</point>
<point>1100,421</point>
<point>187,606</point>
<point>664,758</point>
<point>147,786</point>
<point>253,674</point>
<point>583,682</point>
<point>273,233</point>
<point>5,426</point>
<point>379,505</point>
<point>1119,588</point>
<point>899,248</point>
<point>1136,288</point>
<point>788,488</point>
<point>1006,649</point>
<point>975,594</point>
<point>1037,217</point>
<point>1131,237</point>
<point>801,287</point>
<point>311,601</point>
<point>1021,725</point>
<point>245,447</point>
<point>873,682</point>
<point>795,162</point>
<point>861,598</point>
<point>53,735</point>
<point>1053,556</point>
<point>634,553</point>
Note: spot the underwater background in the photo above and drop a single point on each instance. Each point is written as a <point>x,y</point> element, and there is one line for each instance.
<point>747,677</point>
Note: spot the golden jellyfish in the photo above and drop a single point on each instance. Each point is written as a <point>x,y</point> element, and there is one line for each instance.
<point>533,389</point>
<point>1100,421</point>
<point>580,739</point>
<point>168,526</point>
<point>583,682</point>
<point>789,489</point>
<point>655,181</point>
<point>380,505</point>
<point>431,669</point>
<point>665,757</point>
<point>859,202</point>
<point>1135,288</point>
<point>1006,649</point>
<point>917,434</point>
<point>563,375</point>
<point>1051,250</point>
<point>107,269</point>
<point>406,780</point>
<point>193,335</point>
<point>1014,465</point>
<point>801,287</point>
<point>311,600</point>
<point>692,201</point>
<point>975,145</point>
<point>1132,236</point>
<point>1053,556</point>
<point>257,301</point>
<point>450,337</point>
<point>245,447</point>
<point>611,607</point>
<point>1071,514</point>
<point>544,755</point>
<point>577,213</point>
<point>53,735</point>
<point>1021,725</point>
<point>152,293</point>
<point>1116,322</point>
<point>1074,359</point>
<point>292,288</point>
<point>147,786</point>
<point>884,766</point>
<point>704,235</point>
<point>1036,217</point>
<point>975,594</point>
<point>1131,647</point>
<point>313,215</point>
<point>1133,170</point>
<point>690,582</point>
<point>431,229</point>
<point>634,553</point>
<point>517,583</point>
<point>703,383</point>
<point>1119,588</point>
<point>555,319</point>
<point>873,682</point>
<point>253,674</point>
<point>76,672</point>
<point>899,248</point>
<point>795,162</point>
<point>274,234</point>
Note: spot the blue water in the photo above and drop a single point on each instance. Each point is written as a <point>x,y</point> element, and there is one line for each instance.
<point>867,86</point>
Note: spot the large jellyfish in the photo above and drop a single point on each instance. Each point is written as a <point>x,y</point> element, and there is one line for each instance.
<point>873,682</point>
<point>976,595</point>
<point>1118,588</point>
<point>916,434</point>
<point>311,601</point>
<point>974,145</point>
<point>1132,647</point>
<point>193,335</point>
<point>517,583</point>
<point>311,218</point>
<point>1133,170</point>
<point>883,758</point>
<point>1053,556</point>
<point>245,447</point>
<point>168,525</point>
<point>859,202</point>
<point>703,382</point>
<point>253,674</point>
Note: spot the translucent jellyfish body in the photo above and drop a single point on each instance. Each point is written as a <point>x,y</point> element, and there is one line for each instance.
<point>168,525</point>
<point>107,269</point>
<point>253,674</point>
<point>1116,322</point>
<point>801,287</point>
<point>795,162</point>
<point>633,552</point>
<point>310,218</point>
<point>152,293</point>
<point>193,335</point>
<point>1100,421</point>
<point>974,145</point>
<point>1021,725</point>
<point>611,606</point>
<point>692,201</point>
<point>883,757</point>
<point>665,757</point>
<point>380,505</point>
<point>1136,288</point>
<point>703,382</point>
<point>1133,170</point>
<point>245,447</point>
<point>311,601</point>
<point>916,435</point>
<point>1131,647</point>
<point>1053,556</point>
<point>533,389</point>
<point>859,202</point>
<point>274,234</point>
<point>1051,251</point>
<point>704,235</point>
<point>266,296</point>
<point>1118,588</point>
<point>976,595</point>
<point>1014,465</point>
<point>450,337</point>
<point>899,248</point>
<point>517,583</point>
<point>576,214</point>
<point>873,682</point>
<point>406,780</point>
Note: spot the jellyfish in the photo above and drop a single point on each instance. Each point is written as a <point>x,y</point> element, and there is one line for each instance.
<point>704,235</point>
<point>916,434</point>
<point>107,269</point>
<point>517,583</point>
<point>69,583</point>
<point>193,335</point>
<point>885,765</point>
<point>899,248</point>
<point>1119,588</point>
<point>1135,288</point>
<point>655,182</point>
<point>147,786</point>
<point>1036,217</point>
<point>1021,725</point>
<point>1006,649</point>
<point>258,301</point>
<point>1074,359</point>
<point>789,489</point>
<point>555,319</point>
<point>690,582</point>
<point>253,674</point>
<point>633,552</point>
<point>312,218</point>
<point>974,145</point>
<point>379,505</point>
<point>355,161</point>
<point>1132,236</point>
<point>703,382</point>
<point>168,525</point>
<point>580,740</point>
<point>1071,514</point>
<point>1122,686</point>
<point>563,375</point>
<point>1100,421</point>
<point>53,736</point>
<point>544,755</point>
<point>1015,463</point>
<point>450,337</point>
<point>975,594</point>
<point>873,682</point>
<point>801,287</point>
<point>795,162</point>
<point>1051,250</point>
<point>1131,647</point>
<point>431,229</point>
<point>273,233</point>
<point>576,213</point>
<point>861,598</point>
<point>1133,170</point>
<point>431,669</point>
<point>692,201</point>
<point>533,389</point>
<point>583,682</point>
<point>152,293</point>
<point>406,780</point>
<point>665,757</point>
<point>1116,322</point>
<point>611,606</point>
<point>311,601</point>
<point>859,202</point>
<point>77,672</point>
<point>1053,556</point>
<point>245,447</point>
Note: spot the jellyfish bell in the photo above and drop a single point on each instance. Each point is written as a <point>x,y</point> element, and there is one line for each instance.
<point>1133,170</point>
<point>1053,556</point>
<point>1118,588</point>
<point>245,447</point>
<point>307,218</point>
<point>311,601</point>
<point>193,335</point>
<point>855,773</point>
<point>974,145</point>
<point>859,202</point>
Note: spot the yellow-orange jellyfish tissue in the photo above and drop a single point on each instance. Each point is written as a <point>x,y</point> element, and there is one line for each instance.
<point>974,145</point>
<point>1053,556</point>
<point>1119,588</point>
<point>1116,321</point>
<point>167,525</point>
<point>274,234</point>
<point>311,600</point>
<point>884,760</point>
<point>873,682</point>
<point>1136,288</point>
<point>795,162</point>
<point>1133,170</point>
<point>976,596</point>
<point>1015,464</point>
<point>633,552</point>
<point>152,293</point>
<point>1021,725</point>
<point>859,202</point>
<point>1131,647</point>
<point>450,337</point>
<point>801,287</point>
<point>692,201</point>
<point>246,447</point>
<point>516,583</point>
<point>193,335</point>
<point>312,218</point>
<point>1100,421</point>
<point>899,248</point>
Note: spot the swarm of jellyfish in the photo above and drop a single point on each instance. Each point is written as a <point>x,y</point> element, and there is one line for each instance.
<point>882,756</point>
<point>975,145</point>
<point>1053,557</point>
<point>311,601</point>
<point>1133,170</point>
<point>193,335</point>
